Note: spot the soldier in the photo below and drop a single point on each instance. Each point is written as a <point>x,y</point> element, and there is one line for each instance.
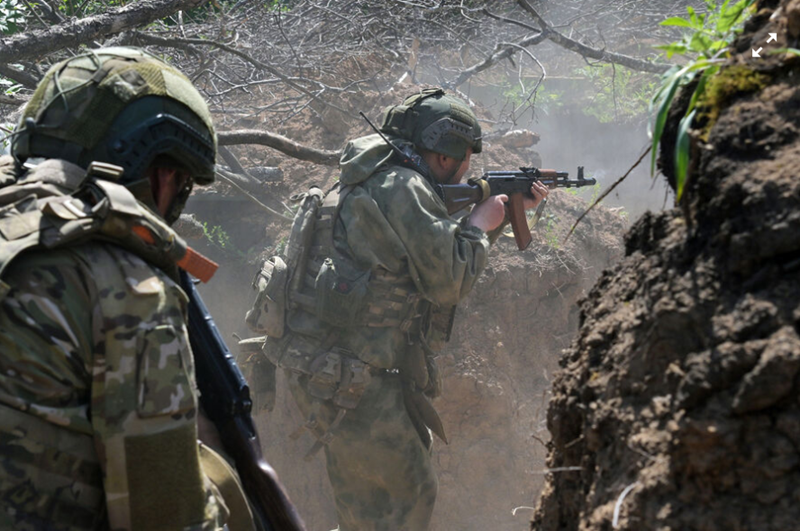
<point>364,300</point>
<point>98,401</point>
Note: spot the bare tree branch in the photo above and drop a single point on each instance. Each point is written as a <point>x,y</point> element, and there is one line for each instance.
<point>281,143</point>
<point>21,77</point>
<point>275,65</point>
<point>241,182</point>
<point>152,39</point>
<point>587,51</point>
<point>77,32</point>
<point>503,53</point>
<point>231,160</point>
<point>607,191</point>
<point>10,100</point>
<point>50,14</point>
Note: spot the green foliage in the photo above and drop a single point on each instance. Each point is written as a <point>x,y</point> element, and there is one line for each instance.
<point>9,87</point>
<point>284,6</point>
<point>587,193</point>
<point>710,32</point>
<point>280,247</point>
<point>550,233</point>
<point>219,237</point>
<point>793,51</point>
<point>719,89</point>
<point>85,8</point>
<point>608,93</point>
<point>707,40</point>
<point>546,100</point>
<point>12,16</point>
<point>549,100</point>
<point>618,93</point>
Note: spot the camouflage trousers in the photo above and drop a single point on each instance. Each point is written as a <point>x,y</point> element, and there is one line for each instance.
<point>379,467</point>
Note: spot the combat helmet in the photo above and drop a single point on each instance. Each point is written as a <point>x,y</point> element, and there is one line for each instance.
<point>121,106</point>
<point>435,121</point>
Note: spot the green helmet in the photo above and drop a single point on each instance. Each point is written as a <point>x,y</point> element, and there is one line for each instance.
<point>435,121</point>
<point>121,106</point>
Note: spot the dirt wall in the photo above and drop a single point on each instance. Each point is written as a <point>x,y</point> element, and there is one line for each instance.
<point>677,408</point>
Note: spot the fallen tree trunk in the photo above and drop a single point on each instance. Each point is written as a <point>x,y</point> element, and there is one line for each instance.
<point>281,143</point>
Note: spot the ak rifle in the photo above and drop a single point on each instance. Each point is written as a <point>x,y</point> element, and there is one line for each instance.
<point>516,185</point>
<point>225,397</point>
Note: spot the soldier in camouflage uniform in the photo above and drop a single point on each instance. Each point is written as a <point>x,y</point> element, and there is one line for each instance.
<point>363,299</point>
<point>98,402</point>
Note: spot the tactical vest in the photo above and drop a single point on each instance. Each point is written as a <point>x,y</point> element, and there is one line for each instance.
<point>319,283</point>
<point>317,277</point>
<point>52,205</point>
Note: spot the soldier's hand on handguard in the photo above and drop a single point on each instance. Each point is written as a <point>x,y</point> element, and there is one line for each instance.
<point>488,215</point>
<point>539,192</point>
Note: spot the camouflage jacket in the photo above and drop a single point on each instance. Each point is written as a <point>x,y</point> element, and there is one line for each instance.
<point>98,403</point>
<point>393,222</point>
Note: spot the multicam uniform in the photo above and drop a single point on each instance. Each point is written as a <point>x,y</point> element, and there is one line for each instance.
<point>98,403</point>
<point>399,267</point>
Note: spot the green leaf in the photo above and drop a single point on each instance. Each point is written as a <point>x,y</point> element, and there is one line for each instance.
<point>700,43</point>
<point>683,146</point>
<point>730,17</point>
<point>701,87</point>
<point>672,49</point>
<point>663,99</point>
<point>717,46</point>
<point>696,23</point>
<point>723,8</point>
<point>676,21</point>
<point>793,51</point>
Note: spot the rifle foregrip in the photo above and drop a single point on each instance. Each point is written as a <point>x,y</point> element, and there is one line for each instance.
<point>553,174</point>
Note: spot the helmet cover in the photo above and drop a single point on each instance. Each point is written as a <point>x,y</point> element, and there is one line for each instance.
<point>121,106</point>
<point>435,121</point>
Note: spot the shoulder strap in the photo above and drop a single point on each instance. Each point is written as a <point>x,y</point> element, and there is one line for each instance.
<point>97,210</point>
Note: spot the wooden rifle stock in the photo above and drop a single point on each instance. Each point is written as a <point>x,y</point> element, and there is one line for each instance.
<point>271,506</point>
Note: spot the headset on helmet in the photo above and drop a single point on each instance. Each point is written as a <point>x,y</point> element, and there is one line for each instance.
<point>121,106</point>
<point>435,121</point>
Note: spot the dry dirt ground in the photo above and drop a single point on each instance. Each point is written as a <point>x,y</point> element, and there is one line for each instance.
<point>677,405</point>
<point>497,368</point>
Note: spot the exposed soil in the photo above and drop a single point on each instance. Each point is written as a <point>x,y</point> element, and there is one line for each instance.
<point>497,367</point>
<point>677,406</point>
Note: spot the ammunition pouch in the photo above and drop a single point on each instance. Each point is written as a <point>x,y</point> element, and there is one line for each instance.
<point>335,376</point>
<point>341,292</point>
<point>326,373</point>
<point>268,314</point>
<point>338,376</point>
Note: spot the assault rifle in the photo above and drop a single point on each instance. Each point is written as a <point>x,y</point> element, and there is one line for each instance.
<point>225,397</point>
<point>515,184</point>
